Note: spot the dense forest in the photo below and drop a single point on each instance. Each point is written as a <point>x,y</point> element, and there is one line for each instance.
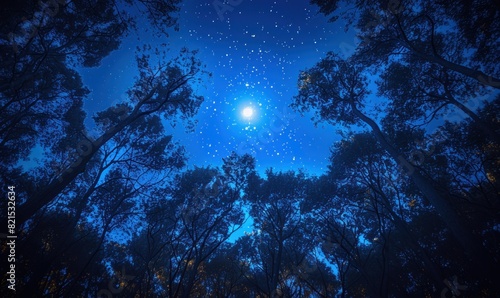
<point>409,205</point>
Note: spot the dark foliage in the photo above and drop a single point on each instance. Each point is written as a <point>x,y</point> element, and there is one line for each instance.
<point>408,208</point>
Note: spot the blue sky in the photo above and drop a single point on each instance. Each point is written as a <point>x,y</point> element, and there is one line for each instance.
<point>255,54</point>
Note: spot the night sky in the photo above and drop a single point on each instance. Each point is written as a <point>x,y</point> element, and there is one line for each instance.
<point>255,52</point>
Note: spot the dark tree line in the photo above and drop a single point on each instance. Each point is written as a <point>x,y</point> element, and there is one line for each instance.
<point>409,205</point>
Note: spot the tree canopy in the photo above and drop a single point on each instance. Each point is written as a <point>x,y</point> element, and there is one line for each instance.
<point>408,207</point>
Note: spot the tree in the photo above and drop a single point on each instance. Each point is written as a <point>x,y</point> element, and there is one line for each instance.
<point>282,252</point>
<point>48,265</point>
<point>161,91</point>
<point>41,93</point>
<point>40,49</point>
<point>423,91</point>
<point>185,227</point>
<point>225,272</point>
<point>422,29</point>
<point>389,203</point>
<point>336,89</point>
<point>109,196</point>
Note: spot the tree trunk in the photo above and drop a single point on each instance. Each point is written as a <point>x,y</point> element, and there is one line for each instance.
<point>276,269</point>
<point>494,137</point>
<point>429,266</point>
<point>464,236</point>
<point>466,71</point>
<point>477,75</point>
<point>28,209</point>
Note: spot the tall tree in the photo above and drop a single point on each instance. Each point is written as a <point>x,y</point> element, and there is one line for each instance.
<point>49,258</point>
<point>424,30</point>
<point>184,228</point>
<point>164,91</point>
<point>391,203</point>
<point>336,90</point>
<point>41,94</point>
<point>275,205</point>
<point>419,93</point>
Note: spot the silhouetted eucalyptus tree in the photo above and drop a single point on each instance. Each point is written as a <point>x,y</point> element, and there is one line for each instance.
<point>336,90</point>
<point>164,91</point>
<point>42,43</point>
<point>420,93</point>
<point>422,29</point>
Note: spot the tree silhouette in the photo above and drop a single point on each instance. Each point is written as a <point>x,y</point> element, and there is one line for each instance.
<point>411,101</point>
<point>421,29</point>
<point>158,91</point>
<point>336,89</point>
<point>407,208</point>
<point>41,93</point>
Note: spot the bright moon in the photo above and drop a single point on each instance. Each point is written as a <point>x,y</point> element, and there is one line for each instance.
<point>247,112</point>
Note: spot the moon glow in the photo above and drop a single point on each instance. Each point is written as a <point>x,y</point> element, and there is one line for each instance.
<point>247,112</point>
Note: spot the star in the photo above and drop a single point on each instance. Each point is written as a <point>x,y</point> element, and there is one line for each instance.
<point>247,112</point>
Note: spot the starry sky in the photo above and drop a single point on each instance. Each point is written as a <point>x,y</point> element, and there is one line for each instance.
<point>255,51</point>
